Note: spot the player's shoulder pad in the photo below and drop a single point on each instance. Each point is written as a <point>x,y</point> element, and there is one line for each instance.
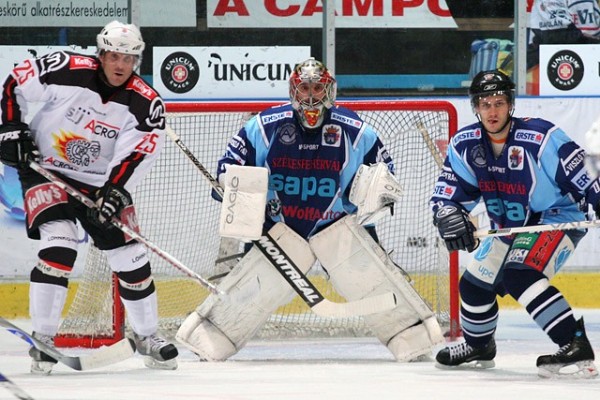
<point>532,131</point>
<point>347,117</point>
<point>139,86</point>
<point>467,135</point>
<point>146,104</point>
<point>65,68</point>
<point>275,114</point>
<point>82,61</point>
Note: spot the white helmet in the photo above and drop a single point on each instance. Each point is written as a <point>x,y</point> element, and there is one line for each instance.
<point>120,38</point>
<point>312,90</point>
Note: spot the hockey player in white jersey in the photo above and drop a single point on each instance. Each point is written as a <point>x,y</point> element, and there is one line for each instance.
<point>325,177</point>
<point>100,128</point>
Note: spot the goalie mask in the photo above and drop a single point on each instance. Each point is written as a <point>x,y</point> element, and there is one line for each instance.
<point>312,92</point>
<point>121,38</point>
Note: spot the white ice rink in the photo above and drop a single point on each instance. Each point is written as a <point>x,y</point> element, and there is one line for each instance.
<point>332,369</point>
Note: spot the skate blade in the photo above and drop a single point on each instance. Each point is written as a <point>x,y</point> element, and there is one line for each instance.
<point>155,364</point>
<point>41,367</point>
<point>477,364</point>
<point>578,370</point>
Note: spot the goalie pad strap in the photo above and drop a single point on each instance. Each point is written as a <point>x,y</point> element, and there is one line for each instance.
<point>244,201</point>
<point>222,325</point>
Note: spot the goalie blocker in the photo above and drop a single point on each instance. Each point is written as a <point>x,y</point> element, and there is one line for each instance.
<point>358,267</point>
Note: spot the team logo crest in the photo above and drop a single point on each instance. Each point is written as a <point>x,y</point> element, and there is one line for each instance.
<point>179,72</point>
<point>332,135</point>
<point>515,158</point>
<point>76,149</point>
<point>287,134</point>
<point>478,156</point>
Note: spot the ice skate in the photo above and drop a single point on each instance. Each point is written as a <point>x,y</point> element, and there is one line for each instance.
<point>574,359</point>
<point>463,355</point>
<point>41,363</point>
<point>157,352</point>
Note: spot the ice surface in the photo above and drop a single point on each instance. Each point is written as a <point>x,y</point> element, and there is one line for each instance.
<point>332,369</point>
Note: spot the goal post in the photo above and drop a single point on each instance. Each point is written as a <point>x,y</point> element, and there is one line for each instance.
<point>176,211</point>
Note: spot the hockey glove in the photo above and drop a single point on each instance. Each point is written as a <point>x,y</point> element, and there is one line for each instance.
<point>111,200</point>
<point>455,228</point>
<point>17,147</point>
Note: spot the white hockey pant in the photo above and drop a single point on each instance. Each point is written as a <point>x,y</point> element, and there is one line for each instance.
<point>222,325</point>
<point>358,268</point>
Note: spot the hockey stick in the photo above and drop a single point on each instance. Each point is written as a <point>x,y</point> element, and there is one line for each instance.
<point>538,228</point>
<point>13,388</point>
<point>295,277</point>
<point>311,295</point>
<point>77,195</point>
<point>101,357</point>
<point>430,145</point>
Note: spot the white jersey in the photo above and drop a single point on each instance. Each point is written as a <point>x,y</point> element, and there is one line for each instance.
<point>78,134</point>
<point>549,15</point>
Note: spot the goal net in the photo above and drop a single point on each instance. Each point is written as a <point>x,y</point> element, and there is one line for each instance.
<point>176,212</point>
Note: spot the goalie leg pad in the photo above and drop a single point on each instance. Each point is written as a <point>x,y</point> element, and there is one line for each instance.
<point>203,338</point>
<point>358,268</point>
<point>416,341</point>
<point>255,289</point>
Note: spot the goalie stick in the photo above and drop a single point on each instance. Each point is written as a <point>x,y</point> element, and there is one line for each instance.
<point>537,228</point>
<point>13,388</point>
<point>298,281</point>
<point>100,357</point>
<point>77,195</point>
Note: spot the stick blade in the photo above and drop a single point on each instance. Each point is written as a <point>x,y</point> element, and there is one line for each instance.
<point>107,355</point>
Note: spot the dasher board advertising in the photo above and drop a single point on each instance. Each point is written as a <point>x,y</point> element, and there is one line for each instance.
<point>570,70</point>
<point>225,73</point>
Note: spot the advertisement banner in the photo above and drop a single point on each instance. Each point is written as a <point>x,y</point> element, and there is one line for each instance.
<point>570,70</point>
<point>309,14</point>
<point>89,13</point>
<point>219,73</point>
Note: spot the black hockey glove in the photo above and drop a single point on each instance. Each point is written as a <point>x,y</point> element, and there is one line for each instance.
<point>17,147</point>
<point>455,228</point>
<point>111,200</point>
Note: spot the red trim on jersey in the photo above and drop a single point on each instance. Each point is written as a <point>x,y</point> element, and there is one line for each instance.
<point>10,103</point>
<point>124,167</point>
<point>543,249</point>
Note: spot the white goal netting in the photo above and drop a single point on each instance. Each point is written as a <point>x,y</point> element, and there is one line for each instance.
<point>177,213</point>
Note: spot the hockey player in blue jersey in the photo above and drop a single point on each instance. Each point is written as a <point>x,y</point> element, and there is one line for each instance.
<point>313,175</point>
<point>527,172</point>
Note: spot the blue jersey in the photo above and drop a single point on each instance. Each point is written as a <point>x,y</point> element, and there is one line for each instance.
<point>539,178</point>
<point>310,172</point>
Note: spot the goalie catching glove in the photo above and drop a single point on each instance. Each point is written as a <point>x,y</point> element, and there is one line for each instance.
<point>455,228</point>
<point>17,147</point>
<point>374,192</point>
<point>111,200</point>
